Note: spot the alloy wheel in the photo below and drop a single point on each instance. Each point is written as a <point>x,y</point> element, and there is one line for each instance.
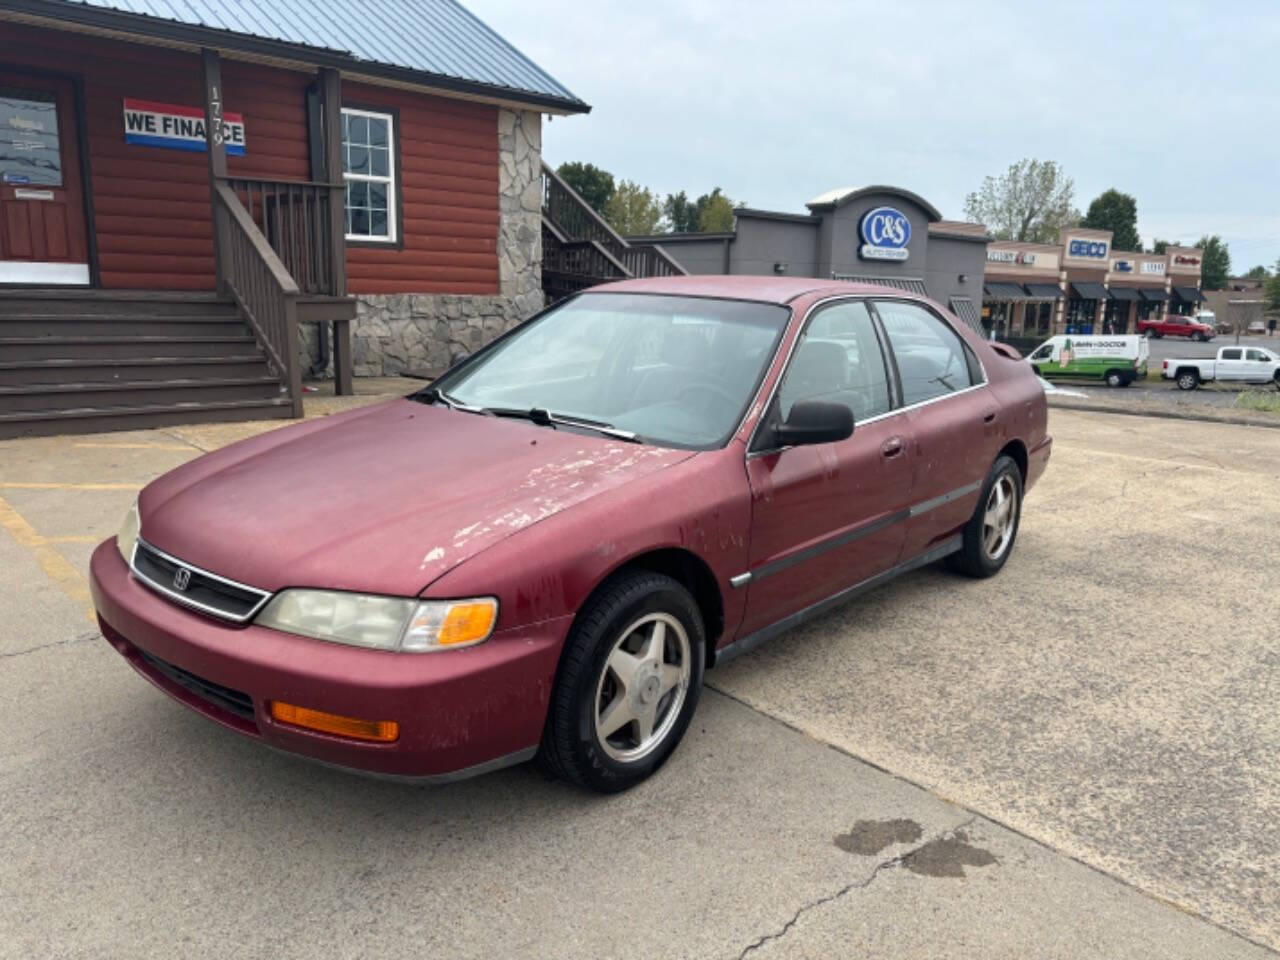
<point>999,518</point>
<point>642,687</point>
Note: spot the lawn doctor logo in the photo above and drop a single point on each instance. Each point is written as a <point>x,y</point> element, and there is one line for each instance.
<point>150,124</point>
<point>885,233</point>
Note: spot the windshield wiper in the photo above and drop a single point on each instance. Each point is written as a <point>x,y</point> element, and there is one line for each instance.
<point>546,418</point>
<point>436,395</point>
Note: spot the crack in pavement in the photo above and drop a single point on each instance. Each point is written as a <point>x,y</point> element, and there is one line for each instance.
<point>79,638</point>
<point>856,885</point>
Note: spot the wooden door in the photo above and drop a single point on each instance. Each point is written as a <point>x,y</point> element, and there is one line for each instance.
<point>43,239</point>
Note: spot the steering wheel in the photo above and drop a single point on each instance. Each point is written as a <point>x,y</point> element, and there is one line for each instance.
<point>712,388</point>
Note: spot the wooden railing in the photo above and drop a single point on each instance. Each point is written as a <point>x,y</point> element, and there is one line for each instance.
<point>651,261</point>
<point>294,217</point>
<point>580,249</point>
<point>262,287</point>
<point>574,216</point>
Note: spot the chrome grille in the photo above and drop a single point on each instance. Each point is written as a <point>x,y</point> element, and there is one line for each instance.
<point>195,588</point>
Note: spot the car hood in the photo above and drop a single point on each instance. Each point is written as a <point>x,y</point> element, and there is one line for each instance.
<point>382,500</point>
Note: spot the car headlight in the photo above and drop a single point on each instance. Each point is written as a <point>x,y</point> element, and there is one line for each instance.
<point>127,538</point>
<point>381,623</point>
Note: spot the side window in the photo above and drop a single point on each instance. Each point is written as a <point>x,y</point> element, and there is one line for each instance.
<point>1257,355</point>
<point>838,360</point>
<point>1231,354</point>
<point>368,167</point>
<point>932,359</point>
<point>1044,353</point>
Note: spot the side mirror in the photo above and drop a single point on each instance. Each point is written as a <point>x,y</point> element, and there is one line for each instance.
<point>814,421</point>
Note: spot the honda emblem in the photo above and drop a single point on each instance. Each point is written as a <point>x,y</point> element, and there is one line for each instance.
<point>182,579</point>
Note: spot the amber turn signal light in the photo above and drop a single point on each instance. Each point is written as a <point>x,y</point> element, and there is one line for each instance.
<point>380,731</point>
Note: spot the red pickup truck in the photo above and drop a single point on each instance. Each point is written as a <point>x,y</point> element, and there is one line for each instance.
<point>1172,325</point>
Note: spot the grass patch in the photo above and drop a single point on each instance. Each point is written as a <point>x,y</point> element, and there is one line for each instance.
<point>1267,401</point>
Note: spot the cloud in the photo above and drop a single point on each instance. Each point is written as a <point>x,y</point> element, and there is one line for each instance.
<point>1172,102</point>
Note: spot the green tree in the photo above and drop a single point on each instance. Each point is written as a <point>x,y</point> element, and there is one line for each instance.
<point>1159,246</point>
<point>591,183</point>
<point>1032,201</point>
<point>1272,291</point>
<point>715,212</point>
<point>1215,266</point>
<point>1258,273</point>
<point>681,213</point>
<point>1117,212</point>
<point>633,209</point>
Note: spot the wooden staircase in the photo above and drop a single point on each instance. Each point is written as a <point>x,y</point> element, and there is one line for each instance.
<point>580,249</point>
<point>78,361</point>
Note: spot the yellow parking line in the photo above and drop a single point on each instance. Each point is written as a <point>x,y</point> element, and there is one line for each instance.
<point>136,446</point>
<point>73,539</point>
<point>4,485</point>
<point>55,566</point>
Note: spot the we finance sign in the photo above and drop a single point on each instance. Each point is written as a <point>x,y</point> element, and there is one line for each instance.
<point>171,125</point>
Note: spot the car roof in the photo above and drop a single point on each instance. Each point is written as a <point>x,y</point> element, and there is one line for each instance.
<point>781,290</point>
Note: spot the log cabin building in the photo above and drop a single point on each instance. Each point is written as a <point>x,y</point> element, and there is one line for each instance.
<point>200,202</point>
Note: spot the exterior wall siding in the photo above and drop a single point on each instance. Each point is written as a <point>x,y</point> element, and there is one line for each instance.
<point>153,225</point>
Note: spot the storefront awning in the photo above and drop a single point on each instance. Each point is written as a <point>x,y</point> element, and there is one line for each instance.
<point>963,308</point>
<point>1155,296</point>
<point>1044,291</point>
<point>1088,291</point>
<point>1188,294</point>
<point>1003,291</point>
<point>1124,293</point>
<point>909,284</point>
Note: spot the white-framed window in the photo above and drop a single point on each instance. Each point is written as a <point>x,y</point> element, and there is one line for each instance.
<point>369,168</point>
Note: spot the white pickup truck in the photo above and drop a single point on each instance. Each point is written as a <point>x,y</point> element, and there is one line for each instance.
<point>1238,364</point>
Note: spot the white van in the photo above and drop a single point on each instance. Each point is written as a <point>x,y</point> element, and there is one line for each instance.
<point>1119,359</point>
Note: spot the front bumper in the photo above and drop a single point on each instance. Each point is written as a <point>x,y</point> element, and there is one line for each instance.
<point>459,711</point>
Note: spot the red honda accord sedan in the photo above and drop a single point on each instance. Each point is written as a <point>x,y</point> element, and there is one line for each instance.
<point>541,553</point>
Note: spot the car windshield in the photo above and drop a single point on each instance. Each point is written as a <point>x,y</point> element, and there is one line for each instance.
<point>674,371</point>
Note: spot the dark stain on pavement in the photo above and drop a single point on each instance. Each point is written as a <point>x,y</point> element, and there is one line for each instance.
<point>947,857</point>
<point>869,837</point>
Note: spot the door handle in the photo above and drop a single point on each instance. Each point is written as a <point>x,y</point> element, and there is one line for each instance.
<point>989,416</point>
<point>891,448</point>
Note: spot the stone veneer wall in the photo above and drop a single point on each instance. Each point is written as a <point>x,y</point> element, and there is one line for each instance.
<point>410,333</point>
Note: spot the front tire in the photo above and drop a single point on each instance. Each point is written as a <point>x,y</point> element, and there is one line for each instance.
<point>628,683</point>
<point>1115,379</point>
<point>989,535</point>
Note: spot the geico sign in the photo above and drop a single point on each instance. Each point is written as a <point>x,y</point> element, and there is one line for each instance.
<point>1093,249</point>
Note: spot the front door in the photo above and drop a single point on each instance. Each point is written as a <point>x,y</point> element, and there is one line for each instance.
<point>43,239</point>
<point>828,516</point>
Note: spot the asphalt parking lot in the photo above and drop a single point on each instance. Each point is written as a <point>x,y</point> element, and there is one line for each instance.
<point>1079,758</point>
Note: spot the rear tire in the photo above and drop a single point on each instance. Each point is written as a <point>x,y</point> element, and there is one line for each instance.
<point>1188,380</point>
<point>990,533</point>
<point>628,683</point>
<point>1200,338</point>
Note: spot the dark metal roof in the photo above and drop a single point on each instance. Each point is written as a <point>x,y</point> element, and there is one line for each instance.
<point>1124,293</point>
<point>426,40</point>
<point>909,284</point>
<point>1044,291</point>
<point>1088,291</point>
<point>1157,295</point>
<point>1188,294</point>
<point>1004,291</point>
<point>963,308</point>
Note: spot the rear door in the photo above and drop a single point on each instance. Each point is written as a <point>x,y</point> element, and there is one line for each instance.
<point>828,516</point>
<point>1231,364</point>
<point>952,416</point>
<point>43,239</point>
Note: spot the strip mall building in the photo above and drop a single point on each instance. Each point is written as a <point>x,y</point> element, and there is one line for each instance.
<point>1081,285</point>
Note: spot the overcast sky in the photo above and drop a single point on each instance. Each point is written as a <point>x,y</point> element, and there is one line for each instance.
<point>775,102</point>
